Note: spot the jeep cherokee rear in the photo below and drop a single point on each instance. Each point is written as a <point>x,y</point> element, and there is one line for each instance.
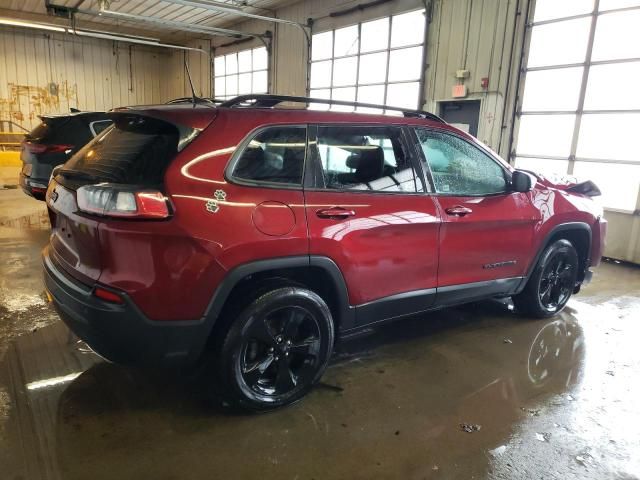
<point>258,235</point>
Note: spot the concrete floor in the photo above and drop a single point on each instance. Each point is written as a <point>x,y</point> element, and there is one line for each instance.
<point>18,210</point>
<point>553,398</point>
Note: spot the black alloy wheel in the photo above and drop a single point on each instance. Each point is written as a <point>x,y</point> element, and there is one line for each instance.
<point>556,282</point>
<point>276,349</point>
<point>551,283</point>
<point>282,351</point>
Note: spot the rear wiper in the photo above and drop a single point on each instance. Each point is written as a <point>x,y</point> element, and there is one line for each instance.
<point>69,172</point>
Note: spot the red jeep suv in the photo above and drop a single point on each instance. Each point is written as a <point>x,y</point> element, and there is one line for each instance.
<point>258,235</point>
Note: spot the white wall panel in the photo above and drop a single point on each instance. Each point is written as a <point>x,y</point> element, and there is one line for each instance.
<point>89,74</point>
<point>173,80</point>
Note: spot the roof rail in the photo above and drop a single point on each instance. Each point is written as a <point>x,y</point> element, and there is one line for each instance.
<point>270,101</point>
<point>209,100</point>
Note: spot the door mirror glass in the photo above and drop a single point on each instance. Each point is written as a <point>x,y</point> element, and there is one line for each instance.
<point>521,181</point>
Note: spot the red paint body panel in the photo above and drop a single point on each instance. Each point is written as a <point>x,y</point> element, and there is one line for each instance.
<point>389,246</point>
<point>394,243</point>
<point>499,228</point>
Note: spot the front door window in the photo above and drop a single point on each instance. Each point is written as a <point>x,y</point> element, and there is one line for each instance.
<point>458,167</point>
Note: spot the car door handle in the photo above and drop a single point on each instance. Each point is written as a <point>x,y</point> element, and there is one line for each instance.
<point>458,211</point>
<point>335,212</point>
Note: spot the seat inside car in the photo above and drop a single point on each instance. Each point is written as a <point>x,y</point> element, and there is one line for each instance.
<point>370,164</point>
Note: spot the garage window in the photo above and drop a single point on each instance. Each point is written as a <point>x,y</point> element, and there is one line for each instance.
<point>379,62</point>
<point>241,73</point>
<point>576,115</point>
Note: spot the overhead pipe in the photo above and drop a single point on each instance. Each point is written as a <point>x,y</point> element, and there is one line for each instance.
<point>162,22</point>
<point>93,34</point>
<point>234,11</point>
<point>242,13</point>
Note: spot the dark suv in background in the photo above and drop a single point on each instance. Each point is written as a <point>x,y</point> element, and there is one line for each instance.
<point>259,235</point>
<point>52,143</point>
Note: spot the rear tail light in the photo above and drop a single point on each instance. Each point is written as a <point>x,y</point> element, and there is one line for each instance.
<point>122,201</point>
<point>47,148</point>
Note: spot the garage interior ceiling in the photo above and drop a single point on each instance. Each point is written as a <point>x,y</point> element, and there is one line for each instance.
<point>168,22</point>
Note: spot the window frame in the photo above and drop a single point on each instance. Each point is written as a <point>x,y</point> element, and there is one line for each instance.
<point>384,83</point>
<point>426,166</point>
<point>238,73</point>
<point>580,111</point>
<point>314,172</point>
<point>240,149</point>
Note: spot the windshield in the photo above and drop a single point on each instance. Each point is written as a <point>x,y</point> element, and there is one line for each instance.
<point>136,150</point>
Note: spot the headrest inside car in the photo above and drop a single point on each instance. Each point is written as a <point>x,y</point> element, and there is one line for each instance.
<point>353,161</point>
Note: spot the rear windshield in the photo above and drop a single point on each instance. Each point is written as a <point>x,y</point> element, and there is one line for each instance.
<point>39,133</point>
<point>60,131</point>
<point>136,151</point>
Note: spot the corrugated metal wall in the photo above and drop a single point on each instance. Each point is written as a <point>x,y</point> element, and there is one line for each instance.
<point>481,36</point>
<point>50,73</point>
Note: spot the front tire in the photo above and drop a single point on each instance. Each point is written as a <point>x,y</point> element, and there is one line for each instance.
<point>276,350</point>
<point>551,283</point>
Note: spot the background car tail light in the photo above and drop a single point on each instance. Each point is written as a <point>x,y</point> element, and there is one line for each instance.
<point>107,295</point>
<point>122,201</point>
<point>46,148</point>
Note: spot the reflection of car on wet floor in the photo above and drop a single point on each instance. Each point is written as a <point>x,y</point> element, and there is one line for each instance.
<point>541,362</point>
<point>557,346</point>
<point>251,236</point>
<point>494,394</point>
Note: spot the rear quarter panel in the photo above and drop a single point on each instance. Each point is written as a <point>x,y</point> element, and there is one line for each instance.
<point>173,267</point>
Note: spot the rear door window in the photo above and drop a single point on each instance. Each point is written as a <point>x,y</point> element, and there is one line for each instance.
<point>273,155</point>
<point>366,158</point>
<point>136,151</point>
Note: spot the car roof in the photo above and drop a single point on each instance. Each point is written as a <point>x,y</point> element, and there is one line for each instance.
<point>265,116</point>
<point>82,115</point>
<point>180,112</point>
<point>197,116</point>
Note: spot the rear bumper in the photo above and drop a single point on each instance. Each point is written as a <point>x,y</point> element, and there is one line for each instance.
<point>37,188</point>
<point>121,333</point>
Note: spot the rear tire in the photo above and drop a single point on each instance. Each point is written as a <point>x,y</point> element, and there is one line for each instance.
<point>551,283</point>
<point>275,350</point>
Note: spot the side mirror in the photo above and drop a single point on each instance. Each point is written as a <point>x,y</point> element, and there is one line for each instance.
<point>521,181</point>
